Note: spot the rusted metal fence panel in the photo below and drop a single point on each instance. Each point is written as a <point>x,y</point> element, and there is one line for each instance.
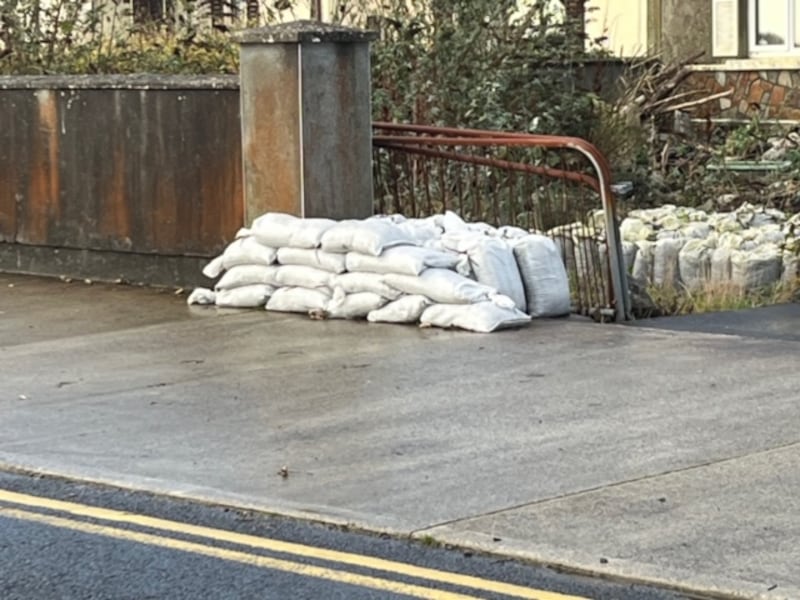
<point>129,164</point>
<point>555,185</point>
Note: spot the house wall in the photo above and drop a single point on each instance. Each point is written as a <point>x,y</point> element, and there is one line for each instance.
<point>622,22</point>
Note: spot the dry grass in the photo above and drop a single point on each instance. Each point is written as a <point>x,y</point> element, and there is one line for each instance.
<point>716,296</point>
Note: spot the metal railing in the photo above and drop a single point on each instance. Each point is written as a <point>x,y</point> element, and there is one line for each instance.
<point>559,186</point>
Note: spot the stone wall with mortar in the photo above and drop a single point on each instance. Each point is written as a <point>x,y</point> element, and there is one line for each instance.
<point>772,94</point>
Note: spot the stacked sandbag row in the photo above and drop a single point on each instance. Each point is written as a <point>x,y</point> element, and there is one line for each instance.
<point>752,247</point>
<point>438,271</point>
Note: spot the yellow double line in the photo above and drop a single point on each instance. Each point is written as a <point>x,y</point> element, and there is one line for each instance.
<point>388,567</point>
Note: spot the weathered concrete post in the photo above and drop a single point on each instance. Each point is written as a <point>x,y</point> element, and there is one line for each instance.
<point>306,120</point>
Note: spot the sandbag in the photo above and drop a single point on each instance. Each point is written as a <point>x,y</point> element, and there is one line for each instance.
<point>371,237</point>
<point>441,285</point>
<point>302,276</point>
<point>353,306</point>
<point>202,296</point>
<point>247,251</point>
<point>481,317</point>
<point>420,230</point>
<point>249,296</point>
<point>694,264</point>
<point>634,230</point>
<point>353,283</point>
<point>509,232</point>
<point>757,268</point>
<point>665,262</point>
<point>298,299</point>
<point>493,264</point>
<point>405,260</point>
<point>308,233</point>
<point>213,269</point>
<point>629,251</point>
<point>721,264</point>
<point>275,229</point>
<point>319,259</point>
<point>544,277</point>
<point>643,263</point>
<point>406,309</point>
<point>243,275</point>
<point>791,269</point>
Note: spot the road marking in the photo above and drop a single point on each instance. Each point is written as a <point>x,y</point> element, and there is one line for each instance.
<point>306,570</point>
<point>301,550</point>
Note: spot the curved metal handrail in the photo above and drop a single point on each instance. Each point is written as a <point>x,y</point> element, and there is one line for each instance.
<point>422,139</point>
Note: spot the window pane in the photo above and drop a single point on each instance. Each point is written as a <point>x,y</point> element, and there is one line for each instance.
<point>771,25</point>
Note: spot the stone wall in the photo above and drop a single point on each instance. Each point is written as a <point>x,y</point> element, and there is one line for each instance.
<point>773,94</point>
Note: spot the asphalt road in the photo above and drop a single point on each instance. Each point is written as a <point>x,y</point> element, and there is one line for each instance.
<point>64,540</point>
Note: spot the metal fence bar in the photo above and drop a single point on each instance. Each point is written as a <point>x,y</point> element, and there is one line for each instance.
<point>461,153</point>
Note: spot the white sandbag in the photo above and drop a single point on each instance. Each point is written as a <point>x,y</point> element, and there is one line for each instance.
<point>482,228</point>
<point>421,230</point>
<point>247,251</point>
<point>635,230</point>
<point>201,296</point>
<point>770,234</point>
<point>302,276</point>
<point>757,268</point>
<point>298,299</point>
<point>275,229</point>
<point>308,233</point>
<point>452,223</point>
<point>319,259</point>
<point>493,264</point>
<point>721,264</point>
<point>354,283</point>
<point>243,275</point>
<point>406,309</point>
<point>371,237</point>
<point>791,269</point>
<point>441,285</point>
<point>213,269</point>
<point>629,251</point>
<point>544,277</point>
<point>509,232</point>
<point>696,230</point>
<point>405,260</point>
<point>694,264</point>
<point>353,306</point>
<point>249,296</point>
<point>643,263</point>
<point>665,262</point>
<point>482,317</point>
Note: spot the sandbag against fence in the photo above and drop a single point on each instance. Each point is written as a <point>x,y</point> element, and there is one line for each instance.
<point>543,276</point>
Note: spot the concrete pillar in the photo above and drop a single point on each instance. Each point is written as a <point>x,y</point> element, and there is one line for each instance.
<point>306,120</point>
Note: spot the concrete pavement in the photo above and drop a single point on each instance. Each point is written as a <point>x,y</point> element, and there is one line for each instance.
<point>645,453</point>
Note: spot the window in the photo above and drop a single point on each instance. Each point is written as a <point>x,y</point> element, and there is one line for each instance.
<point>774,26</point>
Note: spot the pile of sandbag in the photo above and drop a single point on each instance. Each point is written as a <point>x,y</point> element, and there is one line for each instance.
<point>439,271</point>
<point>752,247</point>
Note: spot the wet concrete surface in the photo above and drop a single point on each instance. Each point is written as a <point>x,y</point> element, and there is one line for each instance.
<point>429,432</point>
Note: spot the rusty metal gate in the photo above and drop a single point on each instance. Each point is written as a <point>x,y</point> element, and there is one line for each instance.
<point>558,186</point>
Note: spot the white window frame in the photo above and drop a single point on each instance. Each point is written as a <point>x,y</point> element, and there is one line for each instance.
<point>792,36</point>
